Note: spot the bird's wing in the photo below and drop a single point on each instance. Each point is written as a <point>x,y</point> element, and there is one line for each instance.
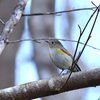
<point>65,51</point>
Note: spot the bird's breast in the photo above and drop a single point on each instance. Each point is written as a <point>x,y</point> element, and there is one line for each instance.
<point>60,58</point>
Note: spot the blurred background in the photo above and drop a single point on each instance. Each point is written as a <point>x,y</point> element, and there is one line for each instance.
<point>29,61</point>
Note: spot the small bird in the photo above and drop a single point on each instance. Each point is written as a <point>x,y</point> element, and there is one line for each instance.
<point>60,56</point>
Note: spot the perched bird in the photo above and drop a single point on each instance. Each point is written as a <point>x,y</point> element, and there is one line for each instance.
<point>60,56</point>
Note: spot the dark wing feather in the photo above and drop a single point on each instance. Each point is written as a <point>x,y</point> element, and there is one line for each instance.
<point>63,49</point>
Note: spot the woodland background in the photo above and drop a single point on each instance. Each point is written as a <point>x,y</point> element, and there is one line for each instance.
<point>27,61</point>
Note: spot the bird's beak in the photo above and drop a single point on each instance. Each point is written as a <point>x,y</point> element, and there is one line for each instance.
<point>47,41</point>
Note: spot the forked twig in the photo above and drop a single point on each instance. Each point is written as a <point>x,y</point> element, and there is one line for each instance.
<point>73,64</point>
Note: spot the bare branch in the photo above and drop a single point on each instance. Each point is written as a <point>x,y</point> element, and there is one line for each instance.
<point>81,33</point>
<point>51,86</point>
<point>89,34</point>
<point>37,40</point>
<point>55,13</point>
<point>16,41</point>
<point>2,22</point>
<point>93,3</point>
<point>9,25</point>
<point>75,62</point>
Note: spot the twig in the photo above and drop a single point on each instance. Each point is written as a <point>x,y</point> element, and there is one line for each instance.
<point>81,33</point>
<point>36,40</point>
<point>93,3</point>
<point>54,13</point>
<point>77,43</point>
<point>2,22</point>
<point>83,46</point>
<point>89,35</point>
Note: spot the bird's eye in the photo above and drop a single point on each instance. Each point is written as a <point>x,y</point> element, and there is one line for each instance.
<point>52,42</point>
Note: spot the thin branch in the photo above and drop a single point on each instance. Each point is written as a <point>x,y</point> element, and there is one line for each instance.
<point>75,62</point>
<point>89,35</point>
<point>81,33</point>
<point>2,22</point>
<point>37,40</point>
<point>50,86</point>
<point>77,43</point>
<point>54,13</point>
<point>93,3</point>
<point>22,40</point>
